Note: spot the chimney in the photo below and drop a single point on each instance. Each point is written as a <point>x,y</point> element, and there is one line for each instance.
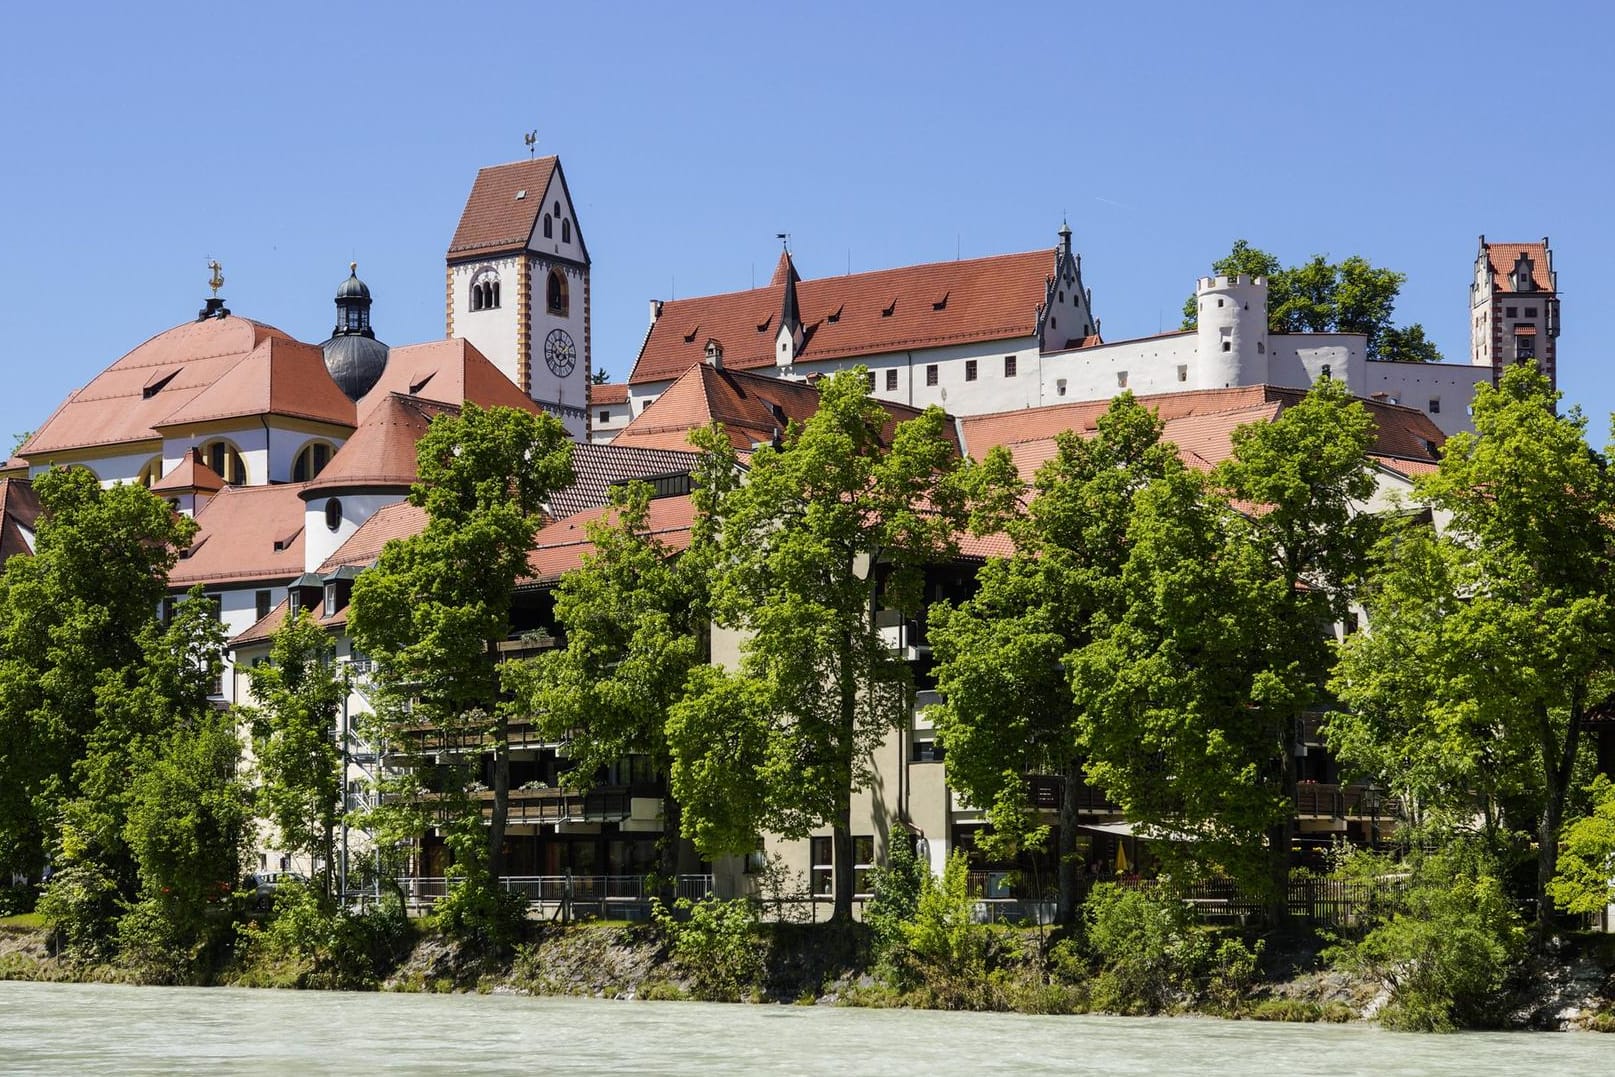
<point>655,310</point>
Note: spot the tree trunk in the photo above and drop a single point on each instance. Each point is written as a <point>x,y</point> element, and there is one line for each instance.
<point>842,840</point>
<point>1066,867</point>
<point>668,860</point>
<point>842,852</point>
<point>1282,833</point>
<point>1558,765</point>
<point>501,798</point>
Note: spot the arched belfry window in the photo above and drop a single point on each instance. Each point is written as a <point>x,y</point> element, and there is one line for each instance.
<point>549,226</point>
<point>225,460</point>
<point>556,296</point>
<point>566,230</point>
<point>311,460</point>
<point>485,289</point>
<point>151,472</point>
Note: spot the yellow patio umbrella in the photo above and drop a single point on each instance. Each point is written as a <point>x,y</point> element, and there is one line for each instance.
<point>1121,858</point>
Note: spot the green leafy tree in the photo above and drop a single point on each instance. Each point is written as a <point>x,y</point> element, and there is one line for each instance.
<point>294,736</point>
<point>1008,710</point>
<point>1193,702</point>
<point>1320,296</point>
<point>1585,882</point>
<point>80,609</point>
<point>1492,643</point>
<point>636,619</point>
<point>433,610</point>
<point>833,522</point>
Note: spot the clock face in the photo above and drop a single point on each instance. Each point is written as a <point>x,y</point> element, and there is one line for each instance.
<point>560,355</point>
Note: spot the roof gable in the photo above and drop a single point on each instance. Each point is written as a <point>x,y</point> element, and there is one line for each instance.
<point>504,207</point>
<point>279,377</point>
<point>449,371</point>
<point>970,301</point>
<point>1501,257</point>
<point>245,533</point>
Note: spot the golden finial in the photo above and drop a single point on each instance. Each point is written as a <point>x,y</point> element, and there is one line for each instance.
<point>216,281</point>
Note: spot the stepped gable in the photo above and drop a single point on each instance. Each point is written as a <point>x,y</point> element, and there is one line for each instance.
<point>130,399</point>
<point>753,408</point>
<point>382,451</point>
<point>560,546</point>
<point>1199,422</point>
<point>450,371</point>
<point>245,533</point>
<point>597,468</point>
<point>191,474</point>
<point>19,512</point>
<point>279,377</point>
<point>494,219</point>
<point>886,310</point>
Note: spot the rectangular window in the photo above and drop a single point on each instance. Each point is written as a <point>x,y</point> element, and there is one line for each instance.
<point>863,859</point>
<point>1435,405</point>
<point>330,600</point>
<point>1059,387</point>
<point>891,380</point>
<point>1511,312</point>
<point>970,370</point>
<point>1183,372</point>
<point>930,374</point>
<point>869,380</point>
<point>1530,312</point>
<point>927,751</point>
<point>1227,345</point>
<point>605,415</point>
<point>1524,346</point>
<point>821,851</point>
<point>262,606</point>
<point>1121,379</point>
<point>1009,366</point>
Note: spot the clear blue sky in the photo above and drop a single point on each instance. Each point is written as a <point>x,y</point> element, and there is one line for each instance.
<point>285,139</point>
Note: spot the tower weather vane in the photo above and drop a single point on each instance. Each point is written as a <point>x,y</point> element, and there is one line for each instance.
<point>785,240</point>
<point>531,138</point>
<point>216,281</point>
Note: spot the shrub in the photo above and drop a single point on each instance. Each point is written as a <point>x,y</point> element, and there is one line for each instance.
<point>80,905</point>
<point>16,900</point>
<point>481,914</point>
<point>1447,949</point>
<point>305,945</point>
<point>716,943</point>
<point>896,887</point>
<point>1145,946</point>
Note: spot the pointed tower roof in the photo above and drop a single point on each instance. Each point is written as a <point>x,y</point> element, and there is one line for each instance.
<point>790,317</point>
<point>504,206</point>
<point>191,476</point>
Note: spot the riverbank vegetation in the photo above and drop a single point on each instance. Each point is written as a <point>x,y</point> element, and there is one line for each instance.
<point>1158,633</point>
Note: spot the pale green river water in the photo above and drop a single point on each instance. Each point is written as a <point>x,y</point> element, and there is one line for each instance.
<point>61,1028</point>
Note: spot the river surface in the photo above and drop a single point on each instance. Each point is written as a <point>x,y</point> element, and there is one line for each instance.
<point>71,1028</point>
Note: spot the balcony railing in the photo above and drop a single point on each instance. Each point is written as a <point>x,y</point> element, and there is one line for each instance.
<point>598,895</point>
<point>1320,800</point>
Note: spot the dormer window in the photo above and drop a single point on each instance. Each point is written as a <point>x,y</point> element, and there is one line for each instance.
<point>1521,277</point>
<point>330,599</point>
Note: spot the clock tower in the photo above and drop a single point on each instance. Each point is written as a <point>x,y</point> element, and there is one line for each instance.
<point>517,285</point>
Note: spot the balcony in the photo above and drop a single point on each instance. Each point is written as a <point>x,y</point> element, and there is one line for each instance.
<point>1319,800</point>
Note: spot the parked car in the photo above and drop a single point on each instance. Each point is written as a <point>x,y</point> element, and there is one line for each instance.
<point>264,884</point>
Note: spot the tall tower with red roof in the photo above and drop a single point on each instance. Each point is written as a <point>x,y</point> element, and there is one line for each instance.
<point>517,285</point>
<point>1514,307</point>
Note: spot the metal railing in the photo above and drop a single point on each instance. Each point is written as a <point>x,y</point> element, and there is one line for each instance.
<point>597,895</point>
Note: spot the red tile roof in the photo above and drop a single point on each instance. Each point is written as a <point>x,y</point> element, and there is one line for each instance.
<point>191,474</point>
<point>1200,423</point>
<point>381,451</point>
<point>128,400</point>
<point>560,546</point>
<point>364,545</point>
<point>858,314</point>
<point>19,509</point>
<point>263,630</point>
<point>451,371</point>
<point>496,220</point>
<point>596,468</point>
<point>245,533</point>
<point>608,393</point>
<point>278,377</point>
<point>753,408</point>
<point>1502,256</point>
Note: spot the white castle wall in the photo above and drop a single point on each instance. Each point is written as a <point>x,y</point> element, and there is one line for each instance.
<point>1448,386</point>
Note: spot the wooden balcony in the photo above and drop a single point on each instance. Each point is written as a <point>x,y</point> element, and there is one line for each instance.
<point>1319,800</point>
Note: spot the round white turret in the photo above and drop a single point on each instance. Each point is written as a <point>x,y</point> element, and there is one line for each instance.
<point>1232,331</point>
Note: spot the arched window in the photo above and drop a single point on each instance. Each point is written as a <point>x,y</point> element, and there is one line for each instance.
<point>151,472</point>
<point>311,460</point>
<point>485,289</point>
<point>225,459</point>
<point>333,514</point>
<point>549,226</point>
<point>556,293</point>
<point>566,230</point>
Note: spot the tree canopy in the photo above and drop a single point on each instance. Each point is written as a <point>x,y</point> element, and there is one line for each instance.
<point>1320,296</point>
